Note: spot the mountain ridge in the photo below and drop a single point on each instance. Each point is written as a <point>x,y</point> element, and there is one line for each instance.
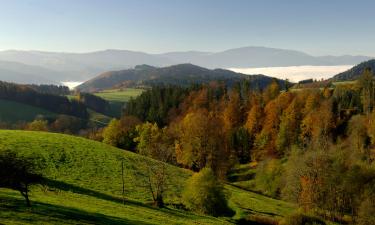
<point>84,66</point>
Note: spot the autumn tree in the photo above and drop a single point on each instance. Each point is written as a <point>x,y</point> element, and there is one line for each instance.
<point>272,91</point>
<point>154,142</point>
<point>201,142</point>
<point>232,114</point>
<point>366,85</point>
<point>120,133</point>
<point>289,127</point>
<point>38,125</point>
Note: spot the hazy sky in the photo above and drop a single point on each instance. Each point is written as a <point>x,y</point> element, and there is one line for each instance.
<point>317,27</point>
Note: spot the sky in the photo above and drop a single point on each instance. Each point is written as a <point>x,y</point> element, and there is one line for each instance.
<point>319,27</point>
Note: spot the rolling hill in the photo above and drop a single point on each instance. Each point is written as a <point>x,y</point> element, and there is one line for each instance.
<point>182,74</point>
<point>85,187</point>
<point>355,72</point>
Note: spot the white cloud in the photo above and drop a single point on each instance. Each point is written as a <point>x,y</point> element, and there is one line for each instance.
<point>296,73</point>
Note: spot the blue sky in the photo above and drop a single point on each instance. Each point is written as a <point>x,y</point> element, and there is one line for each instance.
<point>317,27</point>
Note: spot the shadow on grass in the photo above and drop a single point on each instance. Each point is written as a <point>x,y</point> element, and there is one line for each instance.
<point>43,212</point>
<point>84,191</point>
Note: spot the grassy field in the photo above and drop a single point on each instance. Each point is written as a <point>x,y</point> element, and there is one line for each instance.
<point>13,112</point>
<point>119,95</point>
<point>117,98</point>
<point>85,187</point>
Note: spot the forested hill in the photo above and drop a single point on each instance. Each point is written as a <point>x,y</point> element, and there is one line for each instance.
<point>181,75</point>
<point>355,72</point>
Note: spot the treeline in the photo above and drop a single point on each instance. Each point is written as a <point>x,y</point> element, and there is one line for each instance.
<point>50,89</point>
<point>313,146</point>
<point>54,103</point>
<point>93,102</point>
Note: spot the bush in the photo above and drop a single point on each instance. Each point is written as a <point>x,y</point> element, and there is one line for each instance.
<point>204,194</point>
<point>268,177</point>
<point>301,219</point>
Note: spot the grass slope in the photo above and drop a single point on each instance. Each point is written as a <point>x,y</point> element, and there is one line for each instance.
<point>86,188</point>
<point>117,98</point>
<point>13,112</point>
<point>119,95</point>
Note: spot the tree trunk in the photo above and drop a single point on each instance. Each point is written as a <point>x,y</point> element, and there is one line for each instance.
<point>25,194</point>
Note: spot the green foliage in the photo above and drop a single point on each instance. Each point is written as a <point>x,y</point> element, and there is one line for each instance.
<point>204,194</point>
<point>85,186</point>
<point>269,176</point>
<point>112,134</point>
<point>38,125</point>
<point>153,105</point>
<point>19,173</point>
<point>11,112</point>
<point>154,142</point>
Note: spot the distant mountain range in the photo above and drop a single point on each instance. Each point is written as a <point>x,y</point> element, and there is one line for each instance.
<point>182,75</point>
<point>59,67</point>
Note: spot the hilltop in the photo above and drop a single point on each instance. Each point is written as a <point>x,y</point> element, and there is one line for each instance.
<point>355,72</point>
<point>182,75</point>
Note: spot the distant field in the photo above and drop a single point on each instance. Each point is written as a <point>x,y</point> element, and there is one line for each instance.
<point>12,112</point>
<point>86,187</point>
<point>344,82</point>
<point>120,95</point>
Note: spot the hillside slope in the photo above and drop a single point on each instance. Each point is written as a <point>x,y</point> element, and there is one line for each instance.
<point>182,74</point>
<point>86,187</point>
<point>355,72</point>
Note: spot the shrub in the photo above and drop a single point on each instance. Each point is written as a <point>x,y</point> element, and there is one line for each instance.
<point>204,194</point>
<point>301,219</point>
<point>268,177</point>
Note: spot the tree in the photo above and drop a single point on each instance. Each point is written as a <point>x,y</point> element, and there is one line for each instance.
<point>232,111</point>
<point>38,125</point>
<point>154,142</point>
<point>357,134</point>
<point>157,182</point>
<point>366,85</point>
<point>201,142</point>
<point>19,173</point>
<point>121,133</point>
<point>204,194</point>
<point>289,128</point>
<point>272,91</point>
<point>253,122</point>
<point>112,134</point>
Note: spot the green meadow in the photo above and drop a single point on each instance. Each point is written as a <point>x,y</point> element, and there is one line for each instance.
<point>85,187</point>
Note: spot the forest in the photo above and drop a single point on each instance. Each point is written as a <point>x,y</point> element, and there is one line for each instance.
<point>311,146</point>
